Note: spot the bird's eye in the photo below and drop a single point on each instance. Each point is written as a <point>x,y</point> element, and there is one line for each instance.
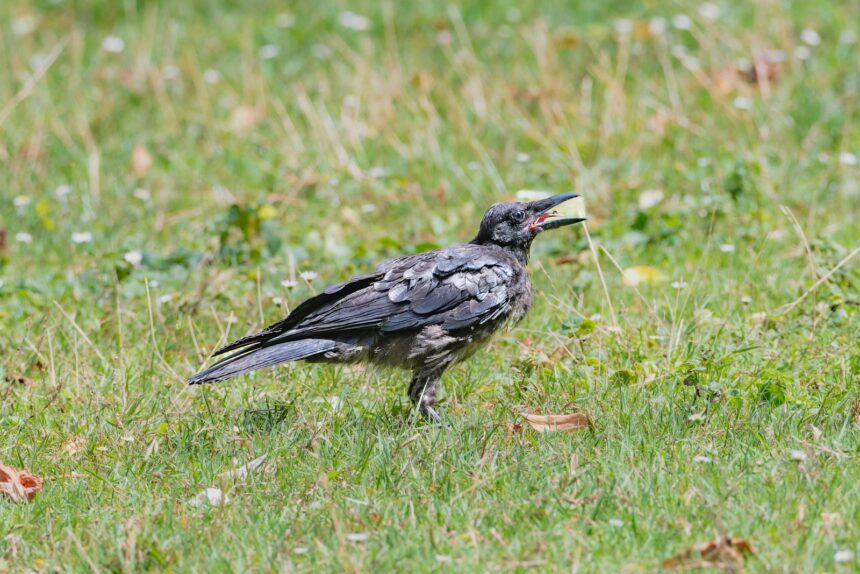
<point>519,216</point>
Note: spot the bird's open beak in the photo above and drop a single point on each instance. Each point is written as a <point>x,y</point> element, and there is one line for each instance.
<point>547,218</point>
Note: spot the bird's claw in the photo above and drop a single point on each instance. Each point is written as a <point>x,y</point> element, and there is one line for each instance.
<point>432,415</point>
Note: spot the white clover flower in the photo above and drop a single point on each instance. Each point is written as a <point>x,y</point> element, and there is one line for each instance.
<point>682,22</point>
<point>23,237</point>
<point>847,158</point>
<point>657,26</point>
<point>82,237</point>
<point>810,36</point>
<point>709,11</point>
<point>21,201</point>
<point>444,37</point>
<point>321,51</point>
<point>133,257</point>
<point>623,26</point>
<point>285,20</point>
<point>743,103</point>
<point>23,25</point>
<point>269,51</point>
<point>113,45</point>
<point>798,455</point>
<point>211,76</point>
<point>169,72</point>
<point>353,21</point>
<point>679,285</point>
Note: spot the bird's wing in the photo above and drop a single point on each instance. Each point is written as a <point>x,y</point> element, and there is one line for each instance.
<point>330,295</point>
<point>456,288</point>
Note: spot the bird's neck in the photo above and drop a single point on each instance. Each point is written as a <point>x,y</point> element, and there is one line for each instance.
<point>520,252</point>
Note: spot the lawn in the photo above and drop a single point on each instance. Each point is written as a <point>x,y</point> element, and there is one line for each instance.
<point>174,175</point>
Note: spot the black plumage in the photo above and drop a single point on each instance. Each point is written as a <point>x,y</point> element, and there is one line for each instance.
<point>421,312</point>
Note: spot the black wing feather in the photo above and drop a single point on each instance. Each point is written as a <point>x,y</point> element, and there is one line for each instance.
<point>458,288</point>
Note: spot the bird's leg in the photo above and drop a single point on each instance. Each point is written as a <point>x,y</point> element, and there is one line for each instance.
<point>422,392</point>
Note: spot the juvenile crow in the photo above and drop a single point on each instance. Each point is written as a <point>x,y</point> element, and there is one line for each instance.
<point>421,312</point>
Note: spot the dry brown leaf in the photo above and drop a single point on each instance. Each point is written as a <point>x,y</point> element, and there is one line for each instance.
<point>141,161</point>
<point>761,71</point>
<point>74,446</point>
<point>18,486</point>
<point>242,472</point>
<point>720,553</point>
<point>557,423</point>
<point>20,379</point>
<point>245,118</point>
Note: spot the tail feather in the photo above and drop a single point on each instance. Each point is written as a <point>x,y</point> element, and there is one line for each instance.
<point>258,358</point>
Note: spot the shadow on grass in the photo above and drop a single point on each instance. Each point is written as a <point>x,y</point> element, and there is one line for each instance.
<point>268,418</point>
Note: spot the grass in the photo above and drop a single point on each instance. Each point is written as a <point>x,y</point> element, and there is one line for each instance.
<point>232,169</point>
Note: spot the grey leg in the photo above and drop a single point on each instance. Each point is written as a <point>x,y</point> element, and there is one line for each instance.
<point>422,392</point>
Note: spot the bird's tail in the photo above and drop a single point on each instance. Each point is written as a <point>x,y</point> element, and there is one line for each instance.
<point>252,359</point>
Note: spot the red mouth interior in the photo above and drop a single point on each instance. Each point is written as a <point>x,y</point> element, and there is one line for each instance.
<point>543,217</point>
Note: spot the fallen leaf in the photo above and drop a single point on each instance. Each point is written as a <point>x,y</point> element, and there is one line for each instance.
<point>18,486</point>
<point>552,423</point>
<point>761,71</point>
<point>74,446</point>
<point>20,379</point>
<point>720,553</point>
<point>633,276</point>
<point>141,161</point>
<point>245,118</point>
<point>211,496</point>
<point>242,472</point>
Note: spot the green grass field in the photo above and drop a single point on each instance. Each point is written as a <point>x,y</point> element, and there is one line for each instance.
<point>176,174</point>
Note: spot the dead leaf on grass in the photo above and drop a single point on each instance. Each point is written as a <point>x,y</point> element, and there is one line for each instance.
<point>18,486</point>
<point>557,423</point>
<point>72,447</point>
<point>242,472</point>
<point>720,553</point>
<point>244,118</point>
<point>141,161</point>
<point>20,379</point>
<point>210,496</point>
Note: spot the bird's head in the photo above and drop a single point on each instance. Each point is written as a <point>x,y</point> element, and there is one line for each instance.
<point>514,225</point>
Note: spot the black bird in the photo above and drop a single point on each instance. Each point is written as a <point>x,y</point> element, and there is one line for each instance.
<point>421,312</point>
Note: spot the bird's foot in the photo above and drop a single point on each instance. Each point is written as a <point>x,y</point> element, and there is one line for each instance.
<point>432,415</point>
<point>427,413</point>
